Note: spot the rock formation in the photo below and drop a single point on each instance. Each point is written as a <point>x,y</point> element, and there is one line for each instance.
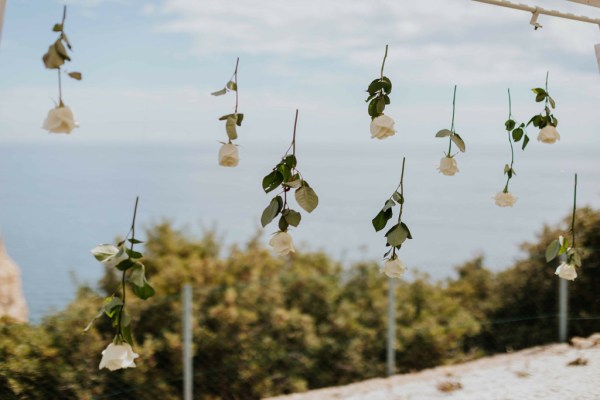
<point>12,300</point>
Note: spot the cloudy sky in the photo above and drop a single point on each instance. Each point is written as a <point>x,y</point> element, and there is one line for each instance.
<point>149,67</point>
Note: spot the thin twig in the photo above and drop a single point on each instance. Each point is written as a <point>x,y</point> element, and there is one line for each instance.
<point>401,186</point>
<point>235,75</point>
<point>452,127</point>
<point>574,210</point>
<point>512,151</point>
<point>60,102</point>
<point>383,63</point>
<point>294,137</point>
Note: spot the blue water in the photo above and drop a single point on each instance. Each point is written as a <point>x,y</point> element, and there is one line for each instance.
<point>59,200</point>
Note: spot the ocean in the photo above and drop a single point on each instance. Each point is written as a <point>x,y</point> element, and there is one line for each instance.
<point>58,200</point>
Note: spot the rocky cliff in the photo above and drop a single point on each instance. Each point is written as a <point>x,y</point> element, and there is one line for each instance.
<point>12,300</point>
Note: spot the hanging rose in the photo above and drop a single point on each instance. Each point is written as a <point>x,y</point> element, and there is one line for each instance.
<point>286,176</point>
<point>545,121</point>
<point>282,243</point>
<point>448,165</point>
<point>397,234</point>
<point>562,246</point>
<point>60,120</point>
<point>505,199</point>
<point>382,126</point>
<point>548,134</point>
<point>118,356</point>
<point>566,271</point>
<point>393,267</point>
<point>228,155</point>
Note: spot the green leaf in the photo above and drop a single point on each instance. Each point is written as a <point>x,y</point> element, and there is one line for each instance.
<point>125,265</point>
<point>443,133</point>
<point>138,275</point>
<point>306,197</point>
<point>283,224</point>
<point>292,217</point>
<point>552,102</point>
<point>538,91</point>
<point>60,49</point>
<point>144,292</point>
<point>398,197</point>
<point>286,171</point>
<point>525,141</point>
<point>224,117</point>
<point>458,142</point>
<point>517,134</point>
<point>510,125</point>
<point>381,219</point>
<point>387,85</point>
<point>291,161</point>
<point>375,86</point>
<point>552,250</point>
<point>111,306</point>
<point>373,108</point>
<point>75,75</point>
<point>230,127</point>
<point>408,230</point>
<point>52,60</point>
<point>104,252</point>
<point>133,254</point>
<point>540,97</point>
<point>380,105</point>
<point>126,333</point>
<point>272,181</point>
<point>240,118</point>
<point>231,85</point>
<point>397,235</point>
<point>271,211</point>
<point>219,92</point>
<point>57,28</point>
<point>134,241</point>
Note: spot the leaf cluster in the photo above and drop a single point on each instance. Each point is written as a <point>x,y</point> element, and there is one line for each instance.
<point>57,53</point>
<point>555,249</point>
<point>517,132</point>
<point>541,120</point>
<point>286,176</point>
<point>379,91</point>
<point>232,120</point>
<point>454,137</point>
<point>134,273</point>
<point>398,233</point>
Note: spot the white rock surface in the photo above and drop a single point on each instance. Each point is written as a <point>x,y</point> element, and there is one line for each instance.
<point>12,300</point>
<point>536,373</point>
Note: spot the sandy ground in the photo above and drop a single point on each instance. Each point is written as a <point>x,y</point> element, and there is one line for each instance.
<point>536,373</point>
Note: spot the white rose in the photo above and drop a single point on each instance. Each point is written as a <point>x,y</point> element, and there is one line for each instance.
<point>566,271</point>
<point>448,166</point>
<point>117,356</point>
<point>119,255</point>
<point>505,199</point>
<point>548,134</point>
<point>393,268</point>
<point>382,127</point>
<point>282,243</point>
<point>60,120</point>
<point>228,155</point>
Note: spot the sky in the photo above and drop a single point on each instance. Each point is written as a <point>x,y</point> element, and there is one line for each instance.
<point>149,68</point>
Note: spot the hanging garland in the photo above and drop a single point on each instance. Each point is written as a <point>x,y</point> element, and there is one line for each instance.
<point>382,126</point>
<point>448,165</point>
<point>546,121</point>
<point>567,270</point>
<point>60,119</point>
<point>228,154</point>
<point>119,354</point>
<point>286,175</point>
<point>515,133</point>
<point>397,235</point>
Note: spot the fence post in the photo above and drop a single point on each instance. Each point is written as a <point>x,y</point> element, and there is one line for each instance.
<point>188,392</point>
<point>391,331</point>
<point>563,306</point>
